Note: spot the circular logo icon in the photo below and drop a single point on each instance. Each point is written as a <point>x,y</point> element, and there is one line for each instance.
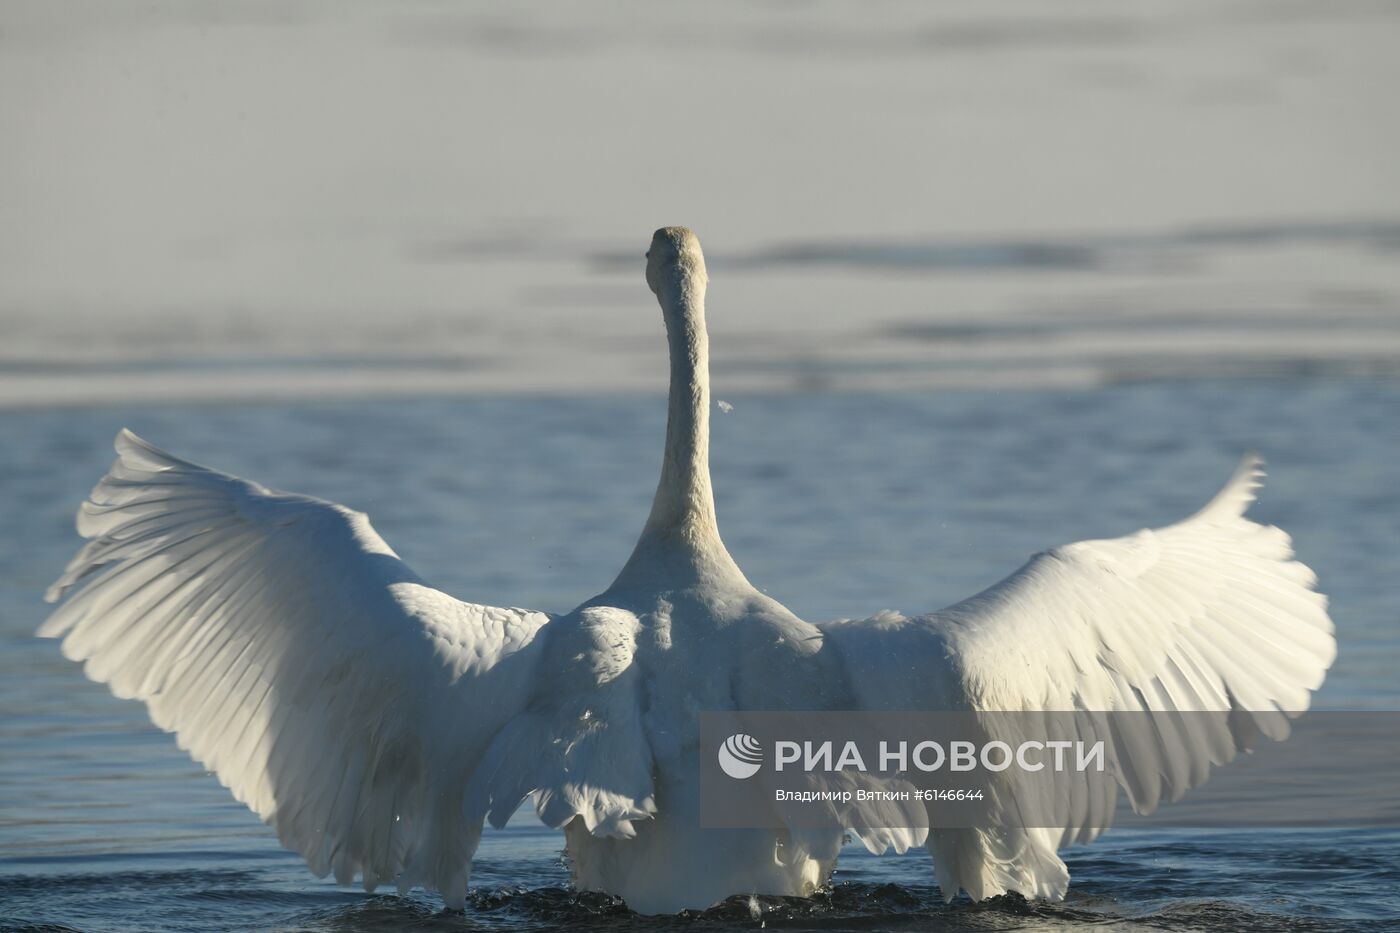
<point>740,756</point>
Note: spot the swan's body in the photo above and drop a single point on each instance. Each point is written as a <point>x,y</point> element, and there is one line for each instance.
<point>376,722</point>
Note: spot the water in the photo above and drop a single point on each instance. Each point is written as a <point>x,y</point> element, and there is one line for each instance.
<point>838,504</point>
<point>353,201</point>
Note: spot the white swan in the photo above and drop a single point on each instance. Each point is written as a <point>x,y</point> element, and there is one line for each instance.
<point>375,722</point>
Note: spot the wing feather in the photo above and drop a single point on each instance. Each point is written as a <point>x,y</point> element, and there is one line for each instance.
<point>1210,615</point>
<point>293,654</point>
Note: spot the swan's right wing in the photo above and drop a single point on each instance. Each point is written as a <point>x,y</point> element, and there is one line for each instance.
<point>1208,626</point>
<point>295,655</point>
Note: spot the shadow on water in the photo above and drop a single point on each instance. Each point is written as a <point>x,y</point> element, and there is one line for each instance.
<point>847,906</point>
<point>1150,881</point>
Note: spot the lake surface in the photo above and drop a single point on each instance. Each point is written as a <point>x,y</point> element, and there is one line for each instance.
<point>836,504</point>
<point>1172,228</point>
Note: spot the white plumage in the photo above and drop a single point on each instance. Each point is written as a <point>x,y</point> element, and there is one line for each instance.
<point>376,722</point>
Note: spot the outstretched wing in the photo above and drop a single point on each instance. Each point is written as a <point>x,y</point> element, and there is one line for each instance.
<point>293,654</point>
<point>1210,614</point>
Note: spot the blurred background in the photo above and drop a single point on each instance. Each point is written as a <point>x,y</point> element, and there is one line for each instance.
<point>238,198</point>
<point>985,278</point>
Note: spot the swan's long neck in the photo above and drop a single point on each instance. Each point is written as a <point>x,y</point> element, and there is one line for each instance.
<point>685,503</point>
<point>681,536</point>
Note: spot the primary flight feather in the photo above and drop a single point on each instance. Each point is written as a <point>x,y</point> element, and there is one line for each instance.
<point>376,723</point>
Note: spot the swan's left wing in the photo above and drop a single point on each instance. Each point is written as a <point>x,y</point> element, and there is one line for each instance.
<point>294,654</point>
<point>1209,614</point>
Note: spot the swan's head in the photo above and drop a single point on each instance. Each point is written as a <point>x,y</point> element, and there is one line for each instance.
<point>675,260</point>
